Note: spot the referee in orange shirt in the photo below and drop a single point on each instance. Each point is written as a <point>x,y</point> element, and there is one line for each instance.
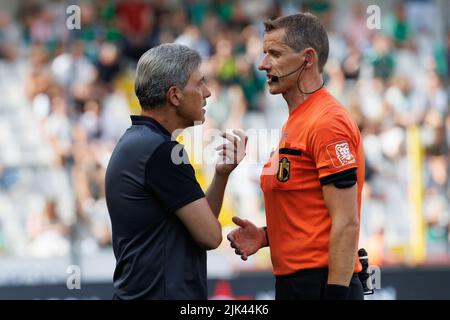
<point>312,183</point>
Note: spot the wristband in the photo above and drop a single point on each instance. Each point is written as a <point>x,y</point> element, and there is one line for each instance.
<point>336,292</point>
<point>267,238</point>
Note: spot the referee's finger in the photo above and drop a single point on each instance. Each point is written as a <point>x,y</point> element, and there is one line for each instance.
<point>240,222</point>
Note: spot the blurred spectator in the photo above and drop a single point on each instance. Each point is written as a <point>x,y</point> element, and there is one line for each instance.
<point>74,72</point>
<point>351,65</point>
<point>356,32</point>
<point>136,20</point>
<point>382,57</point>
<point>108,65</point>
<point>399,27</point>
<point>250,83</point>
<point>48,235</point>
<point>66,96</point>
<point>224,61</point>
<point>447,51</point>
<point>192,37</point>
<point>9,37</point>
<point>402,99</point>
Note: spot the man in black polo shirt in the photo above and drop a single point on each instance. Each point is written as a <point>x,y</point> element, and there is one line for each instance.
<point>162,222</point>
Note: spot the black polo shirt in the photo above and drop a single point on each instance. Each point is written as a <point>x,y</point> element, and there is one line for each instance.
<point>157,258</point>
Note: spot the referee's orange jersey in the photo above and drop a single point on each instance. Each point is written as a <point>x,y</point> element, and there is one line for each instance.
<point>319,139</point>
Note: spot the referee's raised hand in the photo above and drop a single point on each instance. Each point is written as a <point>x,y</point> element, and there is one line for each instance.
<point>247,239</point>
<point>232,152</point>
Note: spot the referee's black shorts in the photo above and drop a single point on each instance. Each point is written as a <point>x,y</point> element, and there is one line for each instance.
<point>310,284</point>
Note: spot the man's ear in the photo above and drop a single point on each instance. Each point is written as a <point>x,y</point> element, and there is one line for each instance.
<point>310,57</point>
<point>174,95</point>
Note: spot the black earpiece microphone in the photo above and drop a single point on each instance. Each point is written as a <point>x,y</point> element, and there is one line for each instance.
<point>274,78</point>
<point>302,67</point>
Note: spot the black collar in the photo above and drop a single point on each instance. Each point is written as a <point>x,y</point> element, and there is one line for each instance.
<point>149,122</point>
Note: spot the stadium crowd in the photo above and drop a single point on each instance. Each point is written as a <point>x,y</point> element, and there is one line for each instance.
<point>65,97</point>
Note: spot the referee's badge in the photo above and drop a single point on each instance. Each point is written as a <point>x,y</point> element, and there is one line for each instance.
<point>340,154</point>
<point>284,170</point>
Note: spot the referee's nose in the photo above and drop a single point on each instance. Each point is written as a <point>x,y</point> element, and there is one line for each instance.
<point>265,64</point>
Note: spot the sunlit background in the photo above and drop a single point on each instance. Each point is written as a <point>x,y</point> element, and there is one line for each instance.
<point>66,96</point>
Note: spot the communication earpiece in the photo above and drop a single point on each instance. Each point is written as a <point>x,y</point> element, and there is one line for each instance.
<point>308,58</point>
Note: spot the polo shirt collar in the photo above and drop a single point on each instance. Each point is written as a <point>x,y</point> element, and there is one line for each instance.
<point>149,122</point>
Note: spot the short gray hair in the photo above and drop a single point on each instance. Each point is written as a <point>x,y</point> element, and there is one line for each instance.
<point>303,30</point>
<point>162,67</point>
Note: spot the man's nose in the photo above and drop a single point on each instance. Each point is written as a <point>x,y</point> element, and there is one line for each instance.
<point>207,93</point>
<point>264,64</point>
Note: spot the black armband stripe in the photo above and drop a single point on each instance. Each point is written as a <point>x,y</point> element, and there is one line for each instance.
<point>341,180</point>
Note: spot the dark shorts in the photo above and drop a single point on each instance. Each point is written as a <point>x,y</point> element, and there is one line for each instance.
<point>309,284</point>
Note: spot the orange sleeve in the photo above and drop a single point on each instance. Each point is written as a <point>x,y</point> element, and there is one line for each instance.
<point>334,142</point>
